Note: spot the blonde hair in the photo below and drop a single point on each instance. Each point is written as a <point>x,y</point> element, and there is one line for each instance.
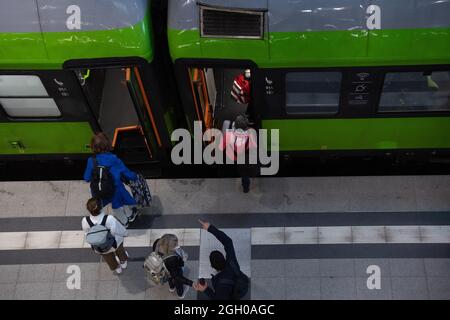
<point>166,244</point>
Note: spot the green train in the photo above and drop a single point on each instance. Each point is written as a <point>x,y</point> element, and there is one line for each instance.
<point>69,69</point>
<point>336,77</point>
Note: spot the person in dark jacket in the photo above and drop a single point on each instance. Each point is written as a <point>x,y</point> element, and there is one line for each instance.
<point>221,290</point>
<point>123,204</point>
<point>167,246</point>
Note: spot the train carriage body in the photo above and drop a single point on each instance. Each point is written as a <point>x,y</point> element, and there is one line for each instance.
<point>335,77</point>
<point>69,69</point>
<point>339,77</point>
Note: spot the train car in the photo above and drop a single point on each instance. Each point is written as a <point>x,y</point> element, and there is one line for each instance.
<point>69,69</point>
<point>337,77</point>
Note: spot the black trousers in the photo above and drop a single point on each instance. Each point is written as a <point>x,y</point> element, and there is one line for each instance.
<point>178,285</point>
<point>246,172</point>
<point>245,182</point>
<point>249,111</point>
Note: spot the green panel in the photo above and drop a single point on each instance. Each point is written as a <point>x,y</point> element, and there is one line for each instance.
<point>184,43</point>
<point>45,137</point>
<point>19,48</point>
<point>321,48</point>
<point>232,49</point>
<point>50,50</point>
<point>189,44</point>
<point>317,48</point>
<point>415,45</point>
<point>354,134</point>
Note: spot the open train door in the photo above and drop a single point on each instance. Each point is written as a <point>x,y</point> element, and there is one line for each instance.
<point>202,95</point>
<point>143,139</point>
<point>121,109</point>
<point>209,89</point>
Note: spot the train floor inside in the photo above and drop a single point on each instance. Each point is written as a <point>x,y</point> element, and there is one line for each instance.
<point>226,106</point>
<point>116,109</point>
<point>296,238</point>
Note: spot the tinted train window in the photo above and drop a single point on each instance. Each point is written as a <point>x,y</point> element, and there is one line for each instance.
<point>416,91</point>
<point>30,107</point>
<point>313,92</point>
<point>24,96</point>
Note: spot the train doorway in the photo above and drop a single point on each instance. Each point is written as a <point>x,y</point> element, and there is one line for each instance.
<point>121,109</point>
<point>211,95</point>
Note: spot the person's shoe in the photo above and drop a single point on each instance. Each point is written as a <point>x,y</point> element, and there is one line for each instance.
<point>122,264</point>
<point>118,270</point>
<point>134,214</point>
<point>186,289</point>
<point>171,289</point>
<point>246,190</point>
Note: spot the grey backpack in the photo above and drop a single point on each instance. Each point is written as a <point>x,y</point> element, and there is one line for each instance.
<point>99,236</point>
<point>155,269</point>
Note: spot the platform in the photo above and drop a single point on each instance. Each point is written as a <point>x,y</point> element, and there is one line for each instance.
<point>297,238</point>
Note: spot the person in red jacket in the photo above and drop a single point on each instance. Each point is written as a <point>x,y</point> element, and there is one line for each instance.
<point>241,90</point>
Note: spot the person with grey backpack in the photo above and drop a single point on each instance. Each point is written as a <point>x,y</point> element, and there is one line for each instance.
<point>166,264</point>
<point>105,235</point>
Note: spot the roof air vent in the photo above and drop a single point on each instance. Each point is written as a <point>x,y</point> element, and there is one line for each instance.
<point>230,23</point>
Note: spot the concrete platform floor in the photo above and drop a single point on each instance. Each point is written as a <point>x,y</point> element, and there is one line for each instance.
<point>297,238</point>
<point>297,279</point>
<point>312,194</point>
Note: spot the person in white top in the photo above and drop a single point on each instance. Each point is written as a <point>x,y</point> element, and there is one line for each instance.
<point>116,257</point>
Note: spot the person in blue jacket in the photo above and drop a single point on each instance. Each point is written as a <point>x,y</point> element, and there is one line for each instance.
<point>123,204</point>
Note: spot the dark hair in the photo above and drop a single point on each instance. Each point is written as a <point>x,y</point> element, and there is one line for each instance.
<point>241,122</point>
<point>94,206</point>
<point>217,260</point>
<point>100,143</point>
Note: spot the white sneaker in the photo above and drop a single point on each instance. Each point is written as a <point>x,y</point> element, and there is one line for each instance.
<point>172,289</point>
<point>186,289</point>
<point>122,264</point>
<point>134,214</point>
<point>118,270</point>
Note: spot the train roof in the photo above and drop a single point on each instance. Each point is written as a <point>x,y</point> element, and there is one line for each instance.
<point>312,33</point>
<point>44,34</point>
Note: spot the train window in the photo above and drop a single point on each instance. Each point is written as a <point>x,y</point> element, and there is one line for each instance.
<point>24,96</point>
<point>415,92</point>
<point>21,86</point>
<point>313,92</point>
<point>30,107</point>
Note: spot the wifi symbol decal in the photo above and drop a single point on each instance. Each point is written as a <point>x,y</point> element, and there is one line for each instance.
<point>362,76</point>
